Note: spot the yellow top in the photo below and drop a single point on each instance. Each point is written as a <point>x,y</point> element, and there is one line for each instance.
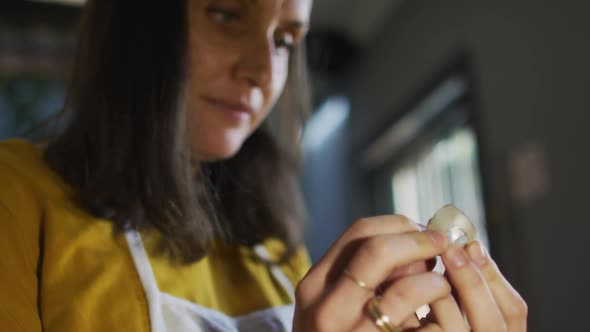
<point>62,269</point>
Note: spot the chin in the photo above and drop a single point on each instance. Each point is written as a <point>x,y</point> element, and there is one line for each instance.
<point>213,144</point>
<point>218,152</point>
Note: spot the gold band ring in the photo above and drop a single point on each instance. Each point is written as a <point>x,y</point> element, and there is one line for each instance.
<point>382,321</point>
<point>359,283</point>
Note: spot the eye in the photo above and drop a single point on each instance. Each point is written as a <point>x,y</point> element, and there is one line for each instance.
<point>285,41</point>
<point>223,16</point>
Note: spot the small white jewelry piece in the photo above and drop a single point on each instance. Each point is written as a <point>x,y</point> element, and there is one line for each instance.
<point>454,224</point>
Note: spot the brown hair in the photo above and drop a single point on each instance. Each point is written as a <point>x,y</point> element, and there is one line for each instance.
<point>123,148</point>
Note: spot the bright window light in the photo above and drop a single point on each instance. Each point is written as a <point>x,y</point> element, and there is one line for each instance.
<point>446,172</point>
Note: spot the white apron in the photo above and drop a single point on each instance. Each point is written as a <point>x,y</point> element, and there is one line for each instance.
<point>172,314</point>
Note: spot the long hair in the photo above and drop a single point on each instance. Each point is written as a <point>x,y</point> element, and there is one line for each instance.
<point>123,148</point>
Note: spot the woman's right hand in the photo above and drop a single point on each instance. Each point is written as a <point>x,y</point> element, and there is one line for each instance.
<point>372,251</point>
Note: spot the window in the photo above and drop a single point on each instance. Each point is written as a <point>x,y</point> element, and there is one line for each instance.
<point>429,157</point>
<point>446,171</point>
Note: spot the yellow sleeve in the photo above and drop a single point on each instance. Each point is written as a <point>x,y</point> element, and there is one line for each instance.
<point>301,263</point>
<point>20,216</point>
<point>298,265</point>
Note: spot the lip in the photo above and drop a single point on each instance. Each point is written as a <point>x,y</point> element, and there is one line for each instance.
<point>228,104</point>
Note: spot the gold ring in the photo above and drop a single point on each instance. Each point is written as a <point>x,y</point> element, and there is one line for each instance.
<point>359,283</point>
<point>382,321</point>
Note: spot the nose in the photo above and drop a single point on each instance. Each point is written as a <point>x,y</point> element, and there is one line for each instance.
<point>255,64</point>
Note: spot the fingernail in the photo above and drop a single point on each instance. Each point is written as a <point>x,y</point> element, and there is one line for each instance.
<point>438,238</point>
<point>477,253</point>
<point>456,256</point>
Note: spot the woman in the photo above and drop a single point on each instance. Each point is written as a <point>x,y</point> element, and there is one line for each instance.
<point>165,203</point>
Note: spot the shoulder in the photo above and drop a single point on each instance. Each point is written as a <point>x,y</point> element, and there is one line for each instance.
<point>18,149</point>
<point>20,161</point>
<point>23,168</point>
<point>28,184</point>
<point>20,211</point>
<point>17,191</point>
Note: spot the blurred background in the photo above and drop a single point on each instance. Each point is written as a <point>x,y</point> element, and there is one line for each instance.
<point>483,104</point>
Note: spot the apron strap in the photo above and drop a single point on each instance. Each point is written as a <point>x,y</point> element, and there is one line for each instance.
<point>150,286</point>
<point>148,280</point>
<point>276,271</point>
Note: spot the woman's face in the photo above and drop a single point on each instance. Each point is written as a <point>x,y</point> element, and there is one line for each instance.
<point>238,64</point>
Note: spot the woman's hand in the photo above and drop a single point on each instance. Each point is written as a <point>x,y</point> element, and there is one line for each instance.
<point>371,251</point>
<point>376,249</point>
<point>488,301</point>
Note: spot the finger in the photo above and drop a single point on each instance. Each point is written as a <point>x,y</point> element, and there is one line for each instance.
<point>400,302</point>
<point>512,306</point>
<point>476,298</point>
<point>375,260</point>
<point>447,314</point>
<point>343,248</point>
<point>372,263</point>
<point>366,228</point>
<point>409,269</point>
<point>378,257</point>
<point>403,271</point>
<point>411,323</point>
<point>430,327</point>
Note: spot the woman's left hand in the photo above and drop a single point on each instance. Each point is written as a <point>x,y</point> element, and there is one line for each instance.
<point>486,298</point>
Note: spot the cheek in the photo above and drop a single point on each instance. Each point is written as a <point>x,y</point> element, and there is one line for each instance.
<point>279,78</point>
<point>268,97</point>
<point>206,63</point>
